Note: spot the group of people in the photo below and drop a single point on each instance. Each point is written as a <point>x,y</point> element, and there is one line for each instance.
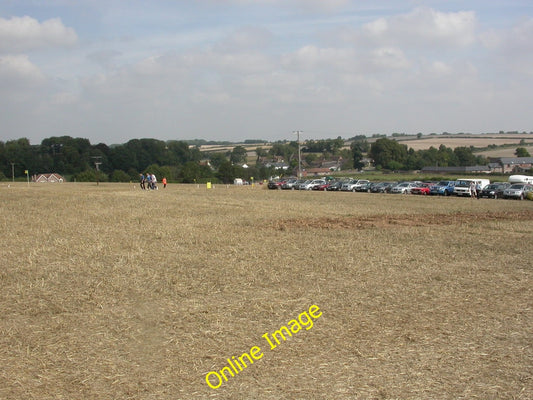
<point>149,182</point>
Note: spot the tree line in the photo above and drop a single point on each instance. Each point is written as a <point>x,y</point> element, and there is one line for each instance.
<point>391,155</point>
<point>79,160</point>
<point>180,161</point>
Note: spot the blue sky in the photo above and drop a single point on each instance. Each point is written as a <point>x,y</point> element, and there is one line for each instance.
<point>115,70</point>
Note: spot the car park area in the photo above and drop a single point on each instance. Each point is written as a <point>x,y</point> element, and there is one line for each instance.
<point>484,189</point>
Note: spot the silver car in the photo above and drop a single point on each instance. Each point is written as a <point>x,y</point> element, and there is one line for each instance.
<point>305,185</point>
<point>403,188</point>
<point>350,185</point>
<point>517,191</point>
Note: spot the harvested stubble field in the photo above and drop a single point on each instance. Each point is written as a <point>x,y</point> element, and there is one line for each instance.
<point>474,140</point>
<point>110,292</point>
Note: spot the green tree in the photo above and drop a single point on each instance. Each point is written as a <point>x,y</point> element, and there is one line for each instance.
<point>192,172</point>
<point>158,171</point>
<point>238,155</point>
<point>89,175</point>
<point>384,151</point>
<point>310,159</point>
<point>120,176</point>
<point>216,159</point>
<point>522,152</point>
<point>358,147</point>
<point>465,157</point>
<point>226,172</point>
<point>260,152</point>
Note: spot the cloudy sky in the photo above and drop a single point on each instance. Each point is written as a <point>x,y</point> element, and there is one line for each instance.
<point>113,70</point>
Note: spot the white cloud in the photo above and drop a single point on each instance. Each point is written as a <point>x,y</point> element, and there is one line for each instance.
<point>283,68</point>
<point>312,57</point>
<point>510,51</point>
<point>20,34</point>
<point>18,71</point>
<point>389,57</point>
<point>441,68</point>
<point>517,39</point>
<point>377,27</point>
<point>245,39</point>
<point>425,26</point>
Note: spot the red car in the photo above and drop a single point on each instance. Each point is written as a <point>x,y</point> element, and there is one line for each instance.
<point>321,186</point>
<point>422,189</point>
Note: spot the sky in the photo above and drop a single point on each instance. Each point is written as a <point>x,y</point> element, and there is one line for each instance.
<point>113,70</point>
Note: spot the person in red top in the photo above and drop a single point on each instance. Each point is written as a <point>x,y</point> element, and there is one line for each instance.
<point>164,182</point>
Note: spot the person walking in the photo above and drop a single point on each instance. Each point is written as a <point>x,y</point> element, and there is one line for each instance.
<point>164,182</point>
<point>473,192</point>
<point>142,181</point>
<point>148,181</point>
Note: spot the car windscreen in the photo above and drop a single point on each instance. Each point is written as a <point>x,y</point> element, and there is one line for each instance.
<point>462,183</point>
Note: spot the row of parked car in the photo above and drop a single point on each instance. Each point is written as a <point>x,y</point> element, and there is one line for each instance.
<point>482,188</point>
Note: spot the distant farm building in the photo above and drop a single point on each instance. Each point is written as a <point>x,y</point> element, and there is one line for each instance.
<point>316,171</point>
<point>511,164</point>
<point>469,169</point>
<point>42,178</point>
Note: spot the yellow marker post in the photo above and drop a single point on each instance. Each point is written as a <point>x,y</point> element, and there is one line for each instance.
<point>208,185</point>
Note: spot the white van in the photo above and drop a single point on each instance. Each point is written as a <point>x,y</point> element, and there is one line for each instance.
<point>462,186</point>
<point>521,179</point>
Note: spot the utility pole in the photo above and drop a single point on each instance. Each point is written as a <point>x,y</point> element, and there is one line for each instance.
<point>13,171</point>
<point>299,154</point>
<point>97,163</point>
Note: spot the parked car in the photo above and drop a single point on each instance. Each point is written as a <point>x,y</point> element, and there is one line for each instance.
<point>351,185</point>
<point>463,186</point>
<point>308,184</point>
<point>368,187</point>
<point>289,184</point>
<point>304,184</point>
<point>443,188</point>
<point>362,185</point>
<point>334,186</point>
<point>422,189</point>
<point>297,184</point>
<point>383,187</point>
<point>389,186</point>
<point>494,190</point>
<point>517,191</point>
<point>275,184</point>
<point>403,188</point>
<point>316,182</point>
<point>379,187</point>
<point>321,186</point>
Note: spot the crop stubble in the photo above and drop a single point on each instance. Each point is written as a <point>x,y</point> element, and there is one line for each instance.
<point>111,292</point>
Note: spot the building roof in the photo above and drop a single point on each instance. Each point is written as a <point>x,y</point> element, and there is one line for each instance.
<point>472,168</point>
<point>318,170</point>
<point>50,177</point>
<point>513,160</point>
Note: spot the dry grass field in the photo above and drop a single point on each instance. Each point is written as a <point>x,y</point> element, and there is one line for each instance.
<point>109,292</point>
<point>476,141</point>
